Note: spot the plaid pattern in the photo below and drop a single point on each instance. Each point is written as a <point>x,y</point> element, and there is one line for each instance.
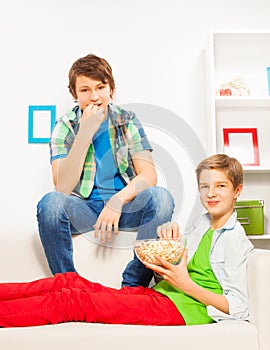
<point>126,135</point>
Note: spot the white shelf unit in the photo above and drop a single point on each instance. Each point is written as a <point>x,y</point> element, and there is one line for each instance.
<point>245,55</point>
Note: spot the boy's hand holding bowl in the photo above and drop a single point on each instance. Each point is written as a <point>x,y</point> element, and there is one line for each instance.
<point>169,246</point>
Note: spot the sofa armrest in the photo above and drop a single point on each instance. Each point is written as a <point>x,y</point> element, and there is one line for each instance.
<point>258,272</point>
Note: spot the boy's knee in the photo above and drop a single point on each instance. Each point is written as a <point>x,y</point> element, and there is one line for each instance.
<point>160,197</point>
<point>161,194</point>
<point>50,201</point>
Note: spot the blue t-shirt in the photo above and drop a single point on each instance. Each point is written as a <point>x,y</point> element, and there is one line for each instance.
<point>107,179</point>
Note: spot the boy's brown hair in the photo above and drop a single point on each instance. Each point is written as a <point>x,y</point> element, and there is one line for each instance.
<point>231,166</point>
<point>93,67</point>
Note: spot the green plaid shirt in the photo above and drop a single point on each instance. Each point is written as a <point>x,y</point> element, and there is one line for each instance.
<point>126,135</point>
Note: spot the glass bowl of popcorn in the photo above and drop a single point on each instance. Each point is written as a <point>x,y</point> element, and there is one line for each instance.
<point>170,249</point>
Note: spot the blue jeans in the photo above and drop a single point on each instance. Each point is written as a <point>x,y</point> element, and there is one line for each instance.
<point>60,215</point>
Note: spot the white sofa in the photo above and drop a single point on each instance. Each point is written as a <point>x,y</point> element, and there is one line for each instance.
<point>22,259</point>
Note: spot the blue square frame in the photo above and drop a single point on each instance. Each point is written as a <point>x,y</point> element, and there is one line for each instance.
<point>31,110</point>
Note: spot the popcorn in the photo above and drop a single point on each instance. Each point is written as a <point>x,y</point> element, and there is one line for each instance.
<point>235,87</point>
<point>169,249</point>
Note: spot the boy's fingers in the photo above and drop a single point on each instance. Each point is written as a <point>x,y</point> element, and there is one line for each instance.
<point>158,269</point>
<point>175,230</point>
<point>165,230</point>
<point>184,258</point>
<point>159,231</point>
<point>115,228</point>
<point>109,232</point>
<point>96,227</point>
<point>169,233</point>
<point>163,261</point>
<point>103,232</point>
<point>169,230</point>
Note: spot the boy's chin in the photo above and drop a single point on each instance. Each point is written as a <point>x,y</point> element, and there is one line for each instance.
<point>212,210</point>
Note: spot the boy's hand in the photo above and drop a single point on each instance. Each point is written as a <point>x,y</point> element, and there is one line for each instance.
<point>108,219</point>
<point>91,120</point>
<point>169,230</point>
<point>175,275</point>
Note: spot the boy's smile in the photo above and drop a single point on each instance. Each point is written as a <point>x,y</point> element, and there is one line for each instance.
<point>218,195</point>
<point>212,203</point>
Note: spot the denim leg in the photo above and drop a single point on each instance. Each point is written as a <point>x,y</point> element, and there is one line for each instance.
<point>146,212</point>
<point>59,215</point>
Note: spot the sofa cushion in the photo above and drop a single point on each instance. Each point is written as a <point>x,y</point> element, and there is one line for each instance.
<point>70,336</point>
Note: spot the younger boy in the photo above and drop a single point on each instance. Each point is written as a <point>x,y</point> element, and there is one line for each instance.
<point>209,286</point>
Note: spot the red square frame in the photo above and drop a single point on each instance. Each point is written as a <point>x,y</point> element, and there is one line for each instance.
<point>253,131</point>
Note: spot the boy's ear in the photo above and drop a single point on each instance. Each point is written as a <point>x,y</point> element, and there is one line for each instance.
<point>112,95</point>
<point>238,191</point>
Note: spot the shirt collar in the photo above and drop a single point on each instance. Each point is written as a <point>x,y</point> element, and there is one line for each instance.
<point>229,224</point>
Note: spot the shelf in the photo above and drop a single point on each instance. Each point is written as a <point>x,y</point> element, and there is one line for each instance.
<point>256,169</point>
<point>242,101</point>
<point>243,37</point>
<point>265,236</point>
<point>245,55</point>
<point>241,55</point>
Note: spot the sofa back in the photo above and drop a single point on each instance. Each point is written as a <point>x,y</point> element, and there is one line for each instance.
<point>23,258</point>
<point>103,264</point>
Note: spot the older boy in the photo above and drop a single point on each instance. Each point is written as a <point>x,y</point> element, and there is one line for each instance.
<point>210,287</point>
<point>103,173</point>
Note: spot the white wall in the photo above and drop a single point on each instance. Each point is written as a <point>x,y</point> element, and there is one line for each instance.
<point>156,49</point>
